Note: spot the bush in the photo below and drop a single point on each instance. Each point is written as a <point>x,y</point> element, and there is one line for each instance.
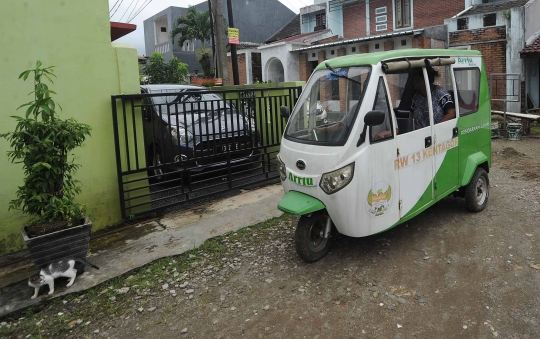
<point>160,72</point>
<point>208,83</point>
<point>42,142</point>
<point>204,56</point>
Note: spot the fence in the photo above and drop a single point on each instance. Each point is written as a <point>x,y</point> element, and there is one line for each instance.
<point>176,145</point>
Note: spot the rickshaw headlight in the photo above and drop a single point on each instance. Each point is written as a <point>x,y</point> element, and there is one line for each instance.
<point>282,169</point>
<point>334,181</point>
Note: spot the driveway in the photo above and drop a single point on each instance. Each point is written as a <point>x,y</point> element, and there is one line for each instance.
<point>448,273</point>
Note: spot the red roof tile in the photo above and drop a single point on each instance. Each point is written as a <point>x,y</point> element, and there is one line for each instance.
<point>533,48</point>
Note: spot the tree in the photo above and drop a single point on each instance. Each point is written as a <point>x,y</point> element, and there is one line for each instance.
<point>204,56</point>
<point>195,25</point>
<point>160,72</point>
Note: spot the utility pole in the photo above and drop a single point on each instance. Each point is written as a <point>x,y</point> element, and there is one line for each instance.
<point>213,39</point>
<point>234,56</point>
<point>221,44</point>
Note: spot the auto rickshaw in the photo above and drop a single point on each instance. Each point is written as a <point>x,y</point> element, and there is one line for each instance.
<point>385,152</point>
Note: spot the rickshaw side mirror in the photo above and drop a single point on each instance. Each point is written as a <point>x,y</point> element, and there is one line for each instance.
<point>374,118</point>
<point>285,113</point>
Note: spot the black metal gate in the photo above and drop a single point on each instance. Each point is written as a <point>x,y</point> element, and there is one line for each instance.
<point>176,144</point>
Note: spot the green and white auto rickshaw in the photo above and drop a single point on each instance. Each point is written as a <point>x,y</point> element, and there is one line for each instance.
<point>403,130</point>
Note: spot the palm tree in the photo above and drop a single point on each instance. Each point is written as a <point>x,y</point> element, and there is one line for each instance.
<point>195,25</point>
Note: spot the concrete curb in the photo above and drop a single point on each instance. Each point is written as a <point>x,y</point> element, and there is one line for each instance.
<point>173,235</point>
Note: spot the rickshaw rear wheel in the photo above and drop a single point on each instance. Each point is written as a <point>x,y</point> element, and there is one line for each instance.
<point>311,245</point>
<point>477,191</point>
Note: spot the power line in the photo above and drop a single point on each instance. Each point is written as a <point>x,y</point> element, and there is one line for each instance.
<point>110,10</point>
<point>126,10</point>
<point>133,10</point>
<point>142,8</point>
<point>116,9</point>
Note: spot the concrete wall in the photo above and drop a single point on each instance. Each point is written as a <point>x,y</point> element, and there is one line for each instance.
<point>334,21</point>
<point>532,22</point>
<point>516,42</point>
<point>73,36</point>
<point>283,53</point>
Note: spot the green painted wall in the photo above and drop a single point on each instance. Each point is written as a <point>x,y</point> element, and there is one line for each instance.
<point>74,36</point>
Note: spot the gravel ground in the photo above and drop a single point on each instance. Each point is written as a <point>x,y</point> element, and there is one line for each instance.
<point>448,273</point>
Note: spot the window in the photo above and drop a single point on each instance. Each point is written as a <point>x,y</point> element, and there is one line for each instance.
<point>320,19</point>
<point>377,46</point>
<point>380,10</point>
<point>319,119</point>
<point>468,89</point>
<point>312,55</point>
<point>381,27</point>
<point>332,52</point>
<point>353,49</point>
<point>383,131</point>
<point>163,29</point>
<point>404,42</point>
<point>462,23</point>
<point>403,13</point>
<point>490,19</point>
<point>335,90</point>
<point>381,18</point>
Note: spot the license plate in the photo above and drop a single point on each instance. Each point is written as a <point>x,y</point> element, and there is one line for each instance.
<point>228,147</point>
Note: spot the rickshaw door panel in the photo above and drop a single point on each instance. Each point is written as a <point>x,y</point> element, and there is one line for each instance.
<point>415,170</point>
<point>445,147</point>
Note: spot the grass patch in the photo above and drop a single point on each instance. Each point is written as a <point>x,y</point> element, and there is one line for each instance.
<point>103,302</point>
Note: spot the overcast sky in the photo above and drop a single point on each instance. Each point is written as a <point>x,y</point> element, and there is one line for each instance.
<point>125,9</point>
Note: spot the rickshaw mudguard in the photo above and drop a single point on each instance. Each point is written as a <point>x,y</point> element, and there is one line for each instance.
<point>297,203</point>
<point>473,161</point>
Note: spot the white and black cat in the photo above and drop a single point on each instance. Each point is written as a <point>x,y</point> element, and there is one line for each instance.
<point>62,268</point>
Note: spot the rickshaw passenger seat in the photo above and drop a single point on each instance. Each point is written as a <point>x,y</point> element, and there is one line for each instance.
<point>405,125</point>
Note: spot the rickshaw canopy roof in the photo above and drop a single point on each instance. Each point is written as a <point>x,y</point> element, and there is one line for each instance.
<point>375,58</point>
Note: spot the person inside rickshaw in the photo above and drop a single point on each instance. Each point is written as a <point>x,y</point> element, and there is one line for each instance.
<point>444,107</point>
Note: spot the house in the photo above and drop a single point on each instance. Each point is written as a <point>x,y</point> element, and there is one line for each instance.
<point>531,54</point>
<point>328,29</point>
<point>500,30</point>
<point>254,19</point>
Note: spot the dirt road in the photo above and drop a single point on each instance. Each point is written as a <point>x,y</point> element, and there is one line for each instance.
<point>447,274</point>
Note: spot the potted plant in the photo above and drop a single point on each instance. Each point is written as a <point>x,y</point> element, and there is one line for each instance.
<point>42,143</point>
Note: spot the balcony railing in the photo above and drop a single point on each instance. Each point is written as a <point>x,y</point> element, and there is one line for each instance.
<point>163,47</point>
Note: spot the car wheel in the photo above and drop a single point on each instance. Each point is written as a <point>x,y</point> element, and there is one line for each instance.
<point>477,191</point>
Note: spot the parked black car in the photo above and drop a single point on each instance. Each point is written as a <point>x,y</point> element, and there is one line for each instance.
<point>189,128</point>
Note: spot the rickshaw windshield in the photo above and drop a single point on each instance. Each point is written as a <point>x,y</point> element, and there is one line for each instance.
<point>327,108</point>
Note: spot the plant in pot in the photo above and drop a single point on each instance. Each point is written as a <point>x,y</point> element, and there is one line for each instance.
<point>42,143</point>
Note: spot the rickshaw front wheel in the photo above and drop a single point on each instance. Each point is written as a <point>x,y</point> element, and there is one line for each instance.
<point>311,245</point>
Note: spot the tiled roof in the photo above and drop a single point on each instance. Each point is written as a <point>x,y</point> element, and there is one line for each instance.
<point>300,36</point>
<point>494,7</point>
<point>533,48</point>
<point>287,31</point>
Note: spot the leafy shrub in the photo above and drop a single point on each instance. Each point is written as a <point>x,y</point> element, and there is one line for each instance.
<point>160,72</point>
<point>42,143</point>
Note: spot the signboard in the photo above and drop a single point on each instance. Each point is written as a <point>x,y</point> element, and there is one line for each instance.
<point>234,36</point>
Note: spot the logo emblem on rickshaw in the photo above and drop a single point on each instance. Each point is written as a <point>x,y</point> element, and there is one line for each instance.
<point>379,198</point>
<point>301,165</point>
